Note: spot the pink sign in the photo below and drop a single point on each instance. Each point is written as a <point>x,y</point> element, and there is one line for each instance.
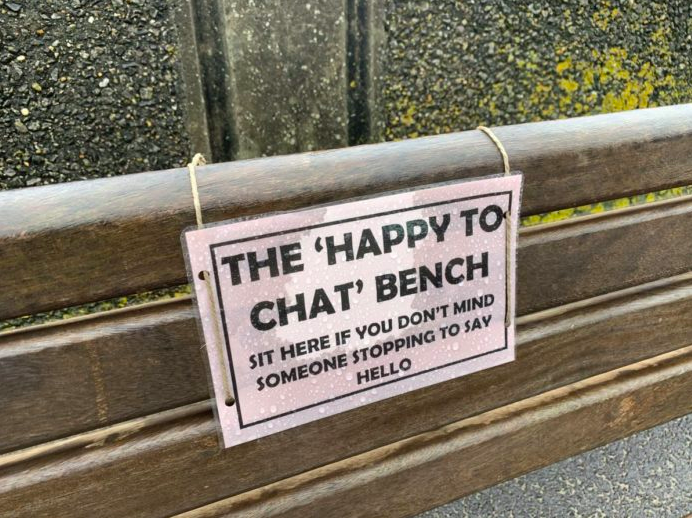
<point>319,311</point>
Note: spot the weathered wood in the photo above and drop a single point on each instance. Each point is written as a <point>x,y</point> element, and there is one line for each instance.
<point>120,381</point>
<point>99,373</point>
<point>101,436</point>
<point>66,244</point>
<point>591,255</point>
<point>182,459</point>
<point>62,379</point>
<point>442,465</point>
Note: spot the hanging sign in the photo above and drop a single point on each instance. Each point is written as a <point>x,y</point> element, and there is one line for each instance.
<point>311,313</point>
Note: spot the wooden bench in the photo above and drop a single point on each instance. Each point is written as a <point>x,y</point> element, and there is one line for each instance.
<point>108,414</point>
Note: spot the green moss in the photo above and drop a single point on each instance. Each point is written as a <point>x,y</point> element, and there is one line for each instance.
<point>451,65</point>
<point>95,307</point>
<point>559,215</point>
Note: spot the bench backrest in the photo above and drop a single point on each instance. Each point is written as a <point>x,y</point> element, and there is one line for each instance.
<point>108,414</point>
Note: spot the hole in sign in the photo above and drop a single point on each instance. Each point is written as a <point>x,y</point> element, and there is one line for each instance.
<point>203,276</point>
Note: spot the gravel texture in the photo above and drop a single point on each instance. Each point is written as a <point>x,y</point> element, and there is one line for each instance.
<point>645,475</point>
<point>451,65</point>
<point>88,88</point>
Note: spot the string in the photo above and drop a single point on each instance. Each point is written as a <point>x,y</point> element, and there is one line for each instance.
<point>508,226</point>
<point>198,159</point>
<point>498,144</point>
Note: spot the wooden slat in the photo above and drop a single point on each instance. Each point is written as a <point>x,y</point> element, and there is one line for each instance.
<point>66,244</point>
<point>59,380</point>
<point>113,474</point>
<point>596,254</point>
<point>97,371</point>
<point>100,436</point>
<point>431,469</point>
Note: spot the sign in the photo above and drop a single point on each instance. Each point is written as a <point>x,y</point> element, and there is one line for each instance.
<point>327,309</point>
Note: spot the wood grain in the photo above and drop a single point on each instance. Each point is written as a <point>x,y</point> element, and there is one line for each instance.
<point>182,461</point>
<point>58,380</point>
<point>431,469</point>
<point>67,244</point>
<point>591,255</point>
<point>101,436</point>
<point>100,370</point>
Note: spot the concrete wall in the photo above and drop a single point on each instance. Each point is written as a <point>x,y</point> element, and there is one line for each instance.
<point>451,65</point>
<point>336,72</point>
<point>94,88</point>
<point>284,77</point>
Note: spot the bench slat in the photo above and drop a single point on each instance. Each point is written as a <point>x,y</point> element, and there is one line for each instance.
<point>62,379</point>
<point>591,255</point>
<point>67,244</point>
<point>95,371</point>
<point>182,459</point>
<point>433,468</point>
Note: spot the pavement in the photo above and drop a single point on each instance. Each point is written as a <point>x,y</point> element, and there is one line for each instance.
<point>646,475</point>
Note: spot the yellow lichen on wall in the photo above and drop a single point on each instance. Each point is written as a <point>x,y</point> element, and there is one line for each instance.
<point>626,82</point>
<point>501,64</point>
<point>604,16</point>
<point>461,64</point>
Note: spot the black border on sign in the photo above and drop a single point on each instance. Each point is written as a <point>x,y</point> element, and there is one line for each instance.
<point>321,225</point>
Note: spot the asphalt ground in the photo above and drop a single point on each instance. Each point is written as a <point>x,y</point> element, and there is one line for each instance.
<point>645,475</point>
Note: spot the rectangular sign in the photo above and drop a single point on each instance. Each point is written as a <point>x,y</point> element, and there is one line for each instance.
<point>319,311</point>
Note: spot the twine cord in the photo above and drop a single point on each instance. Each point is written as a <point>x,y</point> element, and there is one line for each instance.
<point>498,144</point>
<point>197,160</point>
<point>508,226</point>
